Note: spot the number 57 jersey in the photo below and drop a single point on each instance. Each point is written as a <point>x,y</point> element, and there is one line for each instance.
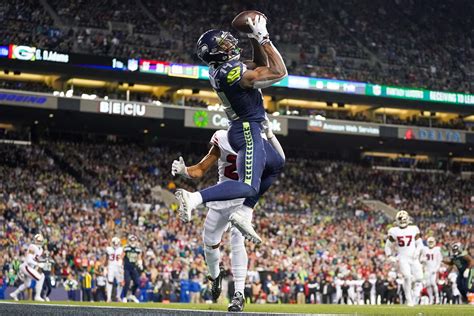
<point>405,240</point>
<point>227,168</point>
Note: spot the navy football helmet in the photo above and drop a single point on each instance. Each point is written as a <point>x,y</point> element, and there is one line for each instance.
<point>216,46</point>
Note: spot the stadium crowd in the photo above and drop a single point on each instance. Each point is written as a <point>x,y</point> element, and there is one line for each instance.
<point>80,195</point>
<point>351,40</point>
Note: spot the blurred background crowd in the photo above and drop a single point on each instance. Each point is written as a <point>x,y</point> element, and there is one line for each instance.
<point>351,40</point>
<point>320,241</point>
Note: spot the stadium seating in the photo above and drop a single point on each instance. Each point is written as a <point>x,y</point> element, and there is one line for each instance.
<point>80,195</point>
<point>351,40</point>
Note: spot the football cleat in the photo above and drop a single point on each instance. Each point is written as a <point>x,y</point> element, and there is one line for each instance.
<point>184,205</point>
<point>216,286</point>
<point>14,296</point>
<point>39,298</point>
<point>245,227</point>
<point>133,298</point>
<point>47,299</point>
<point>237,303</point>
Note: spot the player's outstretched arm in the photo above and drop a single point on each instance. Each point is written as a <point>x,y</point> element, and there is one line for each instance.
<point>198,170</point>
<point>259,57</point>
<point>274,70</point>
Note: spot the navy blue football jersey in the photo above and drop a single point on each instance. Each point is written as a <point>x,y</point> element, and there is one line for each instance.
<point>239,103</point>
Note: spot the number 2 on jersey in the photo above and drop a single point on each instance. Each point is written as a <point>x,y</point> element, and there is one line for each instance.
<point>231,170</point>
<point>401,241</point>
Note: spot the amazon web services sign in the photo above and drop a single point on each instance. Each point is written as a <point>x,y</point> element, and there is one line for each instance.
<point>218,120</point>
<point>343,127</point>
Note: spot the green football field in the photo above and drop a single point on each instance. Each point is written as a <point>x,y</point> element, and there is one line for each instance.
<point>301,309</point>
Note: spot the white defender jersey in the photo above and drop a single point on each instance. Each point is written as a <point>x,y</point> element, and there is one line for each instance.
<point>405,240</point>
<point>433,258</point>
<point>227,166</point>
<point>115,256</point>
<point>33,255</point>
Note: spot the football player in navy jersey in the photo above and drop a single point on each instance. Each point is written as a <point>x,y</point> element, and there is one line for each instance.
<point>238,86</point>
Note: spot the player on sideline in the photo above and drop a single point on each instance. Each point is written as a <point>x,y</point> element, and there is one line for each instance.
<point>409,246</point>
<point>465,265</point>
<point>131,266</point>
<point>114,268</point>
<point>29,269</point>
<point>432,258</point>
<point>238,86</point>
<point>220,213</point>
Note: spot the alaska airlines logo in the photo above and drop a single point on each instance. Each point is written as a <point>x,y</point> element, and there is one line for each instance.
<point>201,118</point>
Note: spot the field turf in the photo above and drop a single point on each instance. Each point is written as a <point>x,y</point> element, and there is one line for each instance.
<point>301,309</point>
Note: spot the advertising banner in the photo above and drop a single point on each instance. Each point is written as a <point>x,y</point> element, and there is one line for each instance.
<point>122,108</point>
<point>432,134</point>
<point>218,120</point>
<point>35,100</point>
<point>343,127</point>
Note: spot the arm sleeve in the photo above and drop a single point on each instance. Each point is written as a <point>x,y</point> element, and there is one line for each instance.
<point>388,247</point>
<point>439,259</point>
<point>276,144</point>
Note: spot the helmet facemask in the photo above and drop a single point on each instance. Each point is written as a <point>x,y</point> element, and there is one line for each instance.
<point>228,44</point>
<point>402,219</point>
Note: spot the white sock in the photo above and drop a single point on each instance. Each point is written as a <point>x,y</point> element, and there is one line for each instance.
<point>417,292</point>
<point>119,292</point>
<point>20,289</point>
<point>436,293</point>
<point>39,286</point>
<point>430,293</point>
<point>195,198</point>
<point>408,291</point>
<point>239,260</point>
<point>109,291</point>
<point>213,257</point>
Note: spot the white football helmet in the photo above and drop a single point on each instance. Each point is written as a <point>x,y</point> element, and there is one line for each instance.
<point>115,242</point>
<point>132,240</point>
<point>38,239</point>
<point>431,241</point>
<point>402,219</point>
<point>456,248</point>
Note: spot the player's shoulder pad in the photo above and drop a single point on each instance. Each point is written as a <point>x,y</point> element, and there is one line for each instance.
<point>127,248</point>
<point>232,71</point>
<point>218,137</point>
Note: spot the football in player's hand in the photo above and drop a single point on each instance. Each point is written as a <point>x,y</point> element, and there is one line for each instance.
<point>240,21</point>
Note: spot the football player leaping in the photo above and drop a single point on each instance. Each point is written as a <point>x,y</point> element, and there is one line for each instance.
<point>238,86</point>
<point>220,213</point>
<point>432,258</point>
<point>409,246</point>
<point>29,269</point>
<point>114,268</point>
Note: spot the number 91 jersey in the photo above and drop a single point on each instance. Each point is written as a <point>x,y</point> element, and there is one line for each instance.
<point>405,240</point>
<point>227,168</point>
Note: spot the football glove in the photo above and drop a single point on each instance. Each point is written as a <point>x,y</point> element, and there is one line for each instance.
<point>259,29</point>
<point>179,168</point>
<point>267,128</point>
<point>392,259</point>
<point>466,273</point>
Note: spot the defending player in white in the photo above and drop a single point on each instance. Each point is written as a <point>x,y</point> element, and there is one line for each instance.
<point>409,246</point>
<point>114,268</point>
<point>222,212</point>
<point>431,257</point>
<point>29,269</point>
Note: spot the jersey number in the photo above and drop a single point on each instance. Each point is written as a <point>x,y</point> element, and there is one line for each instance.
<point>401,241</point>
<point>231,170</point>
<point>113,257</point>
<point>429,256</point>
